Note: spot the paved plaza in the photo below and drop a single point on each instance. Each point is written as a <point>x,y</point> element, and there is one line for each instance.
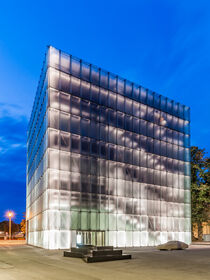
<point>20,261</point>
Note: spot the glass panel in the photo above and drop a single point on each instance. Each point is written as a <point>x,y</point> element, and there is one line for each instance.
<point>157,100</point>
<point>120,154</point>
<point>120,85</point>
<point>103,97</point>
<point>112,82</point>
<point>54,118</point>
<point>75,67</point>
<point>112,134</point>
<point>64,122</point>
<point>85,109</point>
<point>150,129</point>
<point>150,114</point>
<point>103,132</point>
<point>94,130</point>
<point>143,127</point>
<point>85,165</point>
<point>128,123</point>
<point>128,139</point>
<point>128,89</point>
<point>53,138</point>
<point>156,131</point>
<point>120,103</point>
<point>94,112</point>
<point>136,141</point>
<point>75,143</point>
<point>53,179</point>
<point>186,127</point>
<point>103,150</point>
<point>94,148</point>
<point>65,102</point>
<point>176,108</point>
<point>143,111</point>
<point>75,185</point>
<point>143,95</point>
<point>85,127</point>
<point>136,92</point>
<point>94,75</point>
<point>120,120</point>
<point>150,98</point>
<point>112,100</point>
<point>85,71</point>
<point>181,139</point>
<point>65,141</point>
<point>186,113</point>
<point>54,159</point>
<point>104,79</point>
<point>54,78</point>
<point>181,111</point>
<point>112,152</point>
<point>85,90</point>
<point>75,204</point>
<point>143,143</point>
<point>120,137</point>
<point>112,117</point>
<point>65,181</point>
<point>75,86</point>
<point>128,106</point>
<point>75,163</point>
<point>64,161</point>
<point>75,124</point>
<point>163,103</point>
<point>54,57</point>
<point>75,105</point>
<point>53,98</point>
<point>136,109</point>
<point>65,62</point>
<point>94,93</point>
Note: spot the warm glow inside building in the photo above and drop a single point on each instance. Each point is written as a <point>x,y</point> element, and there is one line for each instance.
<point>108,161</point>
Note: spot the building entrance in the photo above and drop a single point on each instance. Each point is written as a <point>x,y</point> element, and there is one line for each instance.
<point>96,238</point>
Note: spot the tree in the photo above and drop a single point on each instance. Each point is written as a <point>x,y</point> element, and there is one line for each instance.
<point>4,226</point>
<point>23,225</point>
<point>200,188</point>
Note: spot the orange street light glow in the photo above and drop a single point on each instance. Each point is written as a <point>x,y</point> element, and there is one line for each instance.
<point>10,214</point>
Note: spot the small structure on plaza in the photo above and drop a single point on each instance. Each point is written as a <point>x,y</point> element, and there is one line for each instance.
<point>90,253</point>
<point>172,245</point>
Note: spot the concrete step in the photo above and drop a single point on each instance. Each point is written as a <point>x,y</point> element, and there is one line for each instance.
<point>81,250</point>
<point>105,252</point>
<point>85,246</point>
<point>73,254</point>
<point>92,259</point>
<point>104,248</point>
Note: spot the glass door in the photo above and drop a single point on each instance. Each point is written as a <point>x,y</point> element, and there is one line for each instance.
<point>95,238</point>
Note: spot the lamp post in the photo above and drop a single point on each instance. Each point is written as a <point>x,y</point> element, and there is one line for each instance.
<point>10,215</point>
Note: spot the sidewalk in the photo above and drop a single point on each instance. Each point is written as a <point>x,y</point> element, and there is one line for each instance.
<point>200,243</point>
<point>12,242</point>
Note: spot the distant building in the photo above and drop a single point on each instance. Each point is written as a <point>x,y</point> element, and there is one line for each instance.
<point>2,234</point>
<point>108,161</point>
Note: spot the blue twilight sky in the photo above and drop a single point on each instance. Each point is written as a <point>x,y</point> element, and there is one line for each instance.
<point>161,44</point>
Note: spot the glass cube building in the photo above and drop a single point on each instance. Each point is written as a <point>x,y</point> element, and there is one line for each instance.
<point>108,161</point>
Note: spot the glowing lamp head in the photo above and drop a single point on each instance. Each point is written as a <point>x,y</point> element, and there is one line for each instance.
<point>10,214</point>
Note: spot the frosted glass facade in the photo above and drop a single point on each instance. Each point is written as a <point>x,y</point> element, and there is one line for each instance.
<point>108,161</point>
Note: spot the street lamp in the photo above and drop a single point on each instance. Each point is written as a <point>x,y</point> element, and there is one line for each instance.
<point>10,214</point>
